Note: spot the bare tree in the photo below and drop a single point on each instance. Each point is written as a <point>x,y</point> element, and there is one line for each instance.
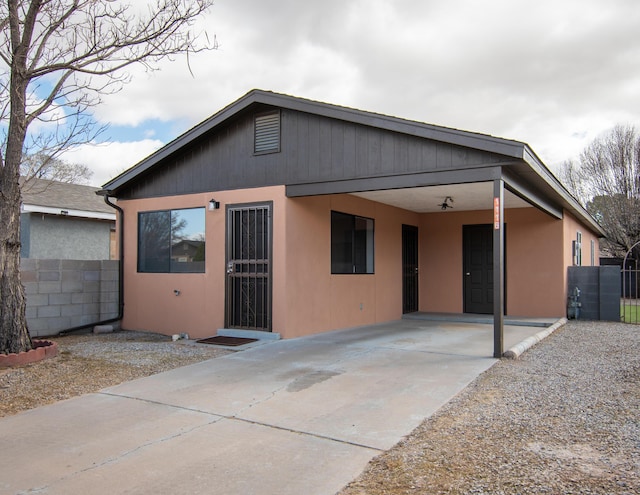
<point>43,166</point>
<point>607,183</point>
<point>58,57</point>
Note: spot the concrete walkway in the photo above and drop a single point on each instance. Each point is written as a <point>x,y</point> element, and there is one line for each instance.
<point>287,417</point>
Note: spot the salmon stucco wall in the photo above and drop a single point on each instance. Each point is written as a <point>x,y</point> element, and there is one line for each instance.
<point>570,234</point>
<point>308,299</point>
<point>440,273</point>
<point>150,301</point>
<point>441,277</point>
<point>319,301</point>
<point>535,271</point>
<point>535,264</point>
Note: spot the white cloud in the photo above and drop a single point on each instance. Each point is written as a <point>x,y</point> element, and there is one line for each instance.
<point>109,160</point>
<point>552,74</point>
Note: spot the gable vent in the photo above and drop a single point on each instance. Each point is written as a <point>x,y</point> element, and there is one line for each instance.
<point>267,133</point>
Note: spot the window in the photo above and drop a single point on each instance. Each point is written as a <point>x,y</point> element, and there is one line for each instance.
<point>267,133</point>
<point>171,241</point>
<point>593,252</point>
<point>351,243</point>
<point>577,250</point>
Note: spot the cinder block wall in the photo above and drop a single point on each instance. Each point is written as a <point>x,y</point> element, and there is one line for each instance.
<point>63,294</point>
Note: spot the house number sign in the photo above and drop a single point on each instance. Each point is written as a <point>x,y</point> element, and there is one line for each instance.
<point>496,213</point>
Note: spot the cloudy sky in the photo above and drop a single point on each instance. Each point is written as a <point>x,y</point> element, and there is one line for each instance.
<point>554,74</point>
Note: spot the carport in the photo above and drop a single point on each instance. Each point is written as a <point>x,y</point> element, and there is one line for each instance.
<point>523,183</point>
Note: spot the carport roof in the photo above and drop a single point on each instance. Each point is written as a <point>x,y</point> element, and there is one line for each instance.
<point>527,176</point>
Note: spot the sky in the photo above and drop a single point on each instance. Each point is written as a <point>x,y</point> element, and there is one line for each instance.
<point>555,74</point>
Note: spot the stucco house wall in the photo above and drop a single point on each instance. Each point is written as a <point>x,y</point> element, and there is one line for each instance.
<point>46,236</point>
<point>150,300</point>
<point>307,298</point>
<point>64,221</point>
<point>320,301</point>
<point>538,253</point>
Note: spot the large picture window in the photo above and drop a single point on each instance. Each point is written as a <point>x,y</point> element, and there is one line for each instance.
<point>171,241</point>
<point>351,243</point>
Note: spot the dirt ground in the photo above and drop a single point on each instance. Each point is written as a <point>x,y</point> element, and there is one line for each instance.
<point>87,363</point>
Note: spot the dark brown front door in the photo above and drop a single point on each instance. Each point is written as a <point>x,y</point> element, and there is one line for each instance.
<point>249,267</point>
<point>409,269</point>
<point>478,268</point>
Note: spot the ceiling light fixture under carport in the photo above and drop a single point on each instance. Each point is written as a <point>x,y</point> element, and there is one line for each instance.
<point>444,205</point>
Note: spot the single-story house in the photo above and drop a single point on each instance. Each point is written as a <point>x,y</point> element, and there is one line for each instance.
<point>318,217</point>
<point>66,221</point>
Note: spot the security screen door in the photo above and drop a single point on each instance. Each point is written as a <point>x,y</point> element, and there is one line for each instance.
<point>409,269</point>
<point>248,284</point>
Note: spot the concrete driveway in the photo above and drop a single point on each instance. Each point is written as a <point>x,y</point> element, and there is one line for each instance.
<point>286,417</point>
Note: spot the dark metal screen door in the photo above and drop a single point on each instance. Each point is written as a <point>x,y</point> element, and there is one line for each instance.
<point>249,267</point>
<point>409,269</point>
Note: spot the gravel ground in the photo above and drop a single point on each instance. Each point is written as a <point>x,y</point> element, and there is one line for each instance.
<point>564,418</point>
<point>87,363</point>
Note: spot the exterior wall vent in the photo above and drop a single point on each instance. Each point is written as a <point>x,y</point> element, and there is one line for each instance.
<point>267,133</point>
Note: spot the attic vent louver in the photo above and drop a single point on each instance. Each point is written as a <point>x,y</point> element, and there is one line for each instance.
<point>267,133</point>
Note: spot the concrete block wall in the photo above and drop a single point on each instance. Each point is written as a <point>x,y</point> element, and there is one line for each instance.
<point>63,294</point>
<point>599,291</point>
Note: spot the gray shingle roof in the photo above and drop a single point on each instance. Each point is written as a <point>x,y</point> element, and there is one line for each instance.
<point>53,194</point>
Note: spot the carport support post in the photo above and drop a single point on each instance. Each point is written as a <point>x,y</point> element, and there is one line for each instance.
<point>498,268</point>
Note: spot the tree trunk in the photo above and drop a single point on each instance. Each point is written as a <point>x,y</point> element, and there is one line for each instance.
<point>14,335</point>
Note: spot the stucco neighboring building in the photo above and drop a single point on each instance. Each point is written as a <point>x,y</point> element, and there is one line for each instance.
<point>65,221</point>
<point>318,217</point>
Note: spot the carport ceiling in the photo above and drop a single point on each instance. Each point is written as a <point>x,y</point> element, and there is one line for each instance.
<point>466,197</point>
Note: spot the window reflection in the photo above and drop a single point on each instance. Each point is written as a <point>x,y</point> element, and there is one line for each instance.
<point>171,241</point>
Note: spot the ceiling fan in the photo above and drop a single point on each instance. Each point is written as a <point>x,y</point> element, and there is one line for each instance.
<point>447,203</point>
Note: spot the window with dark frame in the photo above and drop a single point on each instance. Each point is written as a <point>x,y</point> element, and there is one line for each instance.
<point>352,244</point>
<point>171,241</point>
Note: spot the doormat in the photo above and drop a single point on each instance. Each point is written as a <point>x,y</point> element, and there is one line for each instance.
<point>228,341</point>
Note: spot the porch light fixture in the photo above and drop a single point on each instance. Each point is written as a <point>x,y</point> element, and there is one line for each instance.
<point>447,203</point>
<point>213,204</point>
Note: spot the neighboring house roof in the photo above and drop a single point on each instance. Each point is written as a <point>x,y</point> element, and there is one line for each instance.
<point>189,243</point>
<point>528,177</point>
<point>61,198</point>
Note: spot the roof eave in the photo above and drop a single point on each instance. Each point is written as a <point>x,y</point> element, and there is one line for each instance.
<point>199,130</point>
<point>71,212</point>
<point>571,203</point>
